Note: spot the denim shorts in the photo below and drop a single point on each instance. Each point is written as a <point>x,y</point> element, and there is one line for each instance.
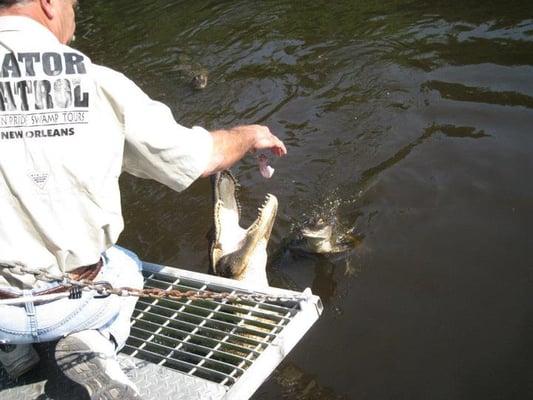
<point>42,322</point>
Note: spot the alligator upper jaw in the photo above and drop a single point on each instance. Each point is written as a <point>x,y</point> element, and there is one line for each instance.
<point>236,252</point>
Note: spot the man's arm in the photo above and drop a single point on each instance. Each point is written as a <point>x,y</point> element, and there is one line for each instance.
<point>157,147</point>
<point>229,146</point>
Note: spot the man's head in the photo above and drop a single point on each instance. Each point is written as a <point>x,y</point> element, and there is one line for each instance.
<point>57,15</point>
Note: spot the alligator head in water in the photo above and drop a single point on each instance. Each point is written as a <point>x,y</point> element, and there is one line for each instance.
<point>318,236</point>
<point>235,252</point>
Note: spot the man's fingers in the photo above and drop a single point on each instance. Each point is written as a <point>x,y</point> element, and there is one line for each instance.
<point>278,148</point>
<point>282,150</point>
<point>267,140</point>
<point>278,151</point>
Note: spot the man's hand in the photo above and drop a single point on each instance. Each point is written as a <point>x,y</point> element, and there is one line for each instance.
<point>264,139</point>
<point>229,146</point>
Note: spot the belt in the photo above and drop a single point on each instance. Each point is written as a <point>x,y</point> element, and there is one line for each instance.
<point>87,272</point>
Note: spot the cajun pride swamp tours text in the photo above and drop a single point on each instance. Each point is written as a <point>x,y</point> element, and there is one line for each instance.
<point>41,95</point>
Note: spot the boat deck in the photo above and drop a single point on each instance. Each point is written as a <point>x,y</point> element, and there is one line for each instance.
<point>191,349</point>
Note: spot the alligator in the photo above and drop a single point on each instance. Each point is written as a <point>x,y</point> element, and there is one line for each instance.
<point>317,236</point>
<point>235,252</point>
<point>199,80</point>
<point>191,71</point>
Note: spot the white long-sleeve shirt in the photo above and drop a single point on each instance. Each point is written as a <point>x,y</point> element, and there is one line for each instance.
<point>68,128</point>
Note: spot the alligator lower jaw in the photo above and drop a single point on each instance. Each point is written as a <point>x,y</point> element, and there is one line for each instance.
<point>312,245</point>
<point>320,246</point>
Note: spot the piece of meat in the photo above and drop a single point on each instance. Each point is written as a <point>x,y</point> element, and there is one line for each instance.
<point>266,170</point>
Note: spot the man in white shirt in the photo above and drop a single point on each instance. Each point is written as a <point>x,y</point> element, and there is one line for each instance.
<point>68,128</point>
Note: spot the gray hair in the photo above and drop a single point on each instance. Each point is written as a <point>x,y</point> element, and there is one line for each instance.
<point>9,3</point>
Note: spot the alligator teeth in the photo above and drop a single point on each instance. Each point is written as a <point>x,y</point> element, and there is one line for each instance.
<point>267,199</point>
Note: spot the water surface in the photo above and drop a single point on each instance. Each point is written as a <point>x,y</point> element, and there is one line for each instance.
<point>412,122</point>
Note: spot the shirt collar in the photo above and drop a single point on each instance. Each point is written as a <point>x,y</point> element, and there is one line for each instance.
<point>20,23</point>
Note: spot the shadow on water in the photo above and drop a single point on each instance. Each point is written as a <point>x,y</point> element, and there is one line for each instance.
<point>410,123</point>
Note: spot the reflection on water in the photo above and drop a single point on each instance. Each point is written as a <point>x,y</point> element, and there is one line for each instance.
<point>298,271</point>
<point>402,153</point>
<point>411,122</point>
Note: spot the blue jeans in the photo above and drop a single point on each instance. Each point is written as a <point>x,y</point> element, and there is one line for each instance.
<point>43,322</point>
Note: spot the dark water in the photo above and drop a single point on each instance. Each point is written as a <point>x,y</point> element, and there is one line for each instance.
<point>411,121</point>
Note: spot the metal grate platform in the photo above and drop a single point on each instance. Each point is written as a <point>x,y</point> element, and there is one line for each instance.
<point>193,349</point>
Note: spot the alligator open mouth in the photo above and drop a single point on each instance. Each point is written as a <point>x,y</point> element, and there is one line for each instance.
<point>235,252</point>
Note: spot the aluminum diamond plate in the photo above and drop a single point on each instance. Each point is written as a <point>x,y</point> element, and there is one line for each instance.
<point>154,382</point>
